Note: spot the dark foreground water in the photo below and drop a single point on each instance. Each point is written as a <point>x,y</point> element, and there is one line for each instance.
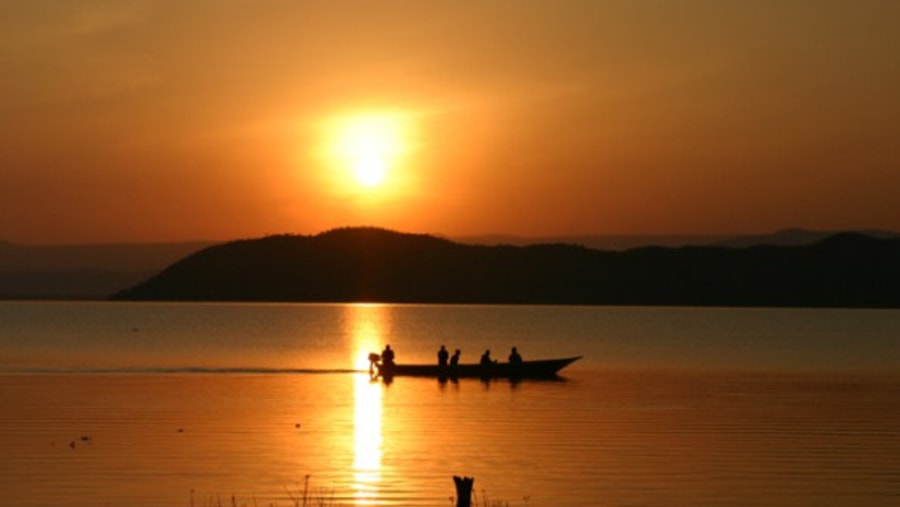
<point>147,405</point>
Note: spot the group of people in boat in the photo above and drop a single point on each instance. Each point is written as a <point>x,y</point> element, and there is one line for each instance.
<point>486,360</point>
<point>445,359</point>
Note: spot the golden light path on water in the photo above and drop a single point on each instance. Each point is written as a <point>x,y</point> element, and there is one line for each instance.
<point>367,440</point>
<point>366,332</point>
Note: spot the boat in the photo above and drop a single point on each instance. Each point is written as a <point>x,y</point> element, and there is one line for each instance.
<point>541,368</point>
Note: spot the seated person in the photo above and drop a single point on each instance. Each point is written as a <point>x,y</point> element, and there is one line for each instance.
<point>514,357</point>
<point>387,356</point>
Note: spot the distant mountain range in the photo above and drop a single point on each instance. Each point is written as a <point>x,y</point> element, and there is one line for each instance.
<point>785,237</point>
<point>83,271</point>
<point>369,264</point>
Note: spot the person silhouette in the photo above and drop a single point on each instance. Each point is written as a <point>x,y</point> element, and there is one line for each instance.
<point>514,357</point>
<point>486,358</point>
<point>373,362</point>
<point>387,356</point>
<point>442,356</point>
<point>454,360</point>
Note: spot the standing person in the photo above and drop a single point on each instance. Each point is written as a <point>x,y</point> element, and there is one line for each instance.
<point>387,356</point>
<point>455,359</point>
<point>442,356</point>
<point>514,357</point>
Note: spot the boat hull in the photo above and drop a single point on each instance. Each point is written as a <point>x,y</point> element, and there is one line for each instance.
<point>545,368</point>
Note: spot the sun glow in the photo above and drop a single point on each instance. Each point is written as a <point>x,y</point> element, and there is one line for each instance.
<point>369,170</point>
<point>369,146</point>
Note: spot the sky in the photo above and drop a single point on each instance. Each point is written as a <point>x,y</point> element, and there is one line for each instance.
<point>171,120</point>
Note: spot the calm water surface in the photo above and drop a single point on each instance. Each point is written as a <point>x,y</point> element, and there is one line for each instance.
<point>181,404</point>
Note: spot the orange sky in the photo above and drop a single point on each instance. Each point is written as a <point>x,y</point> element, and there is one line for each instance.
<point>157,120</point>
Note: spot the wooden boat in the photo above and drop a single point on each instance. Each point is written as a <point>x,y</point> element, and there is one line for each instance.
<point>542,368</point>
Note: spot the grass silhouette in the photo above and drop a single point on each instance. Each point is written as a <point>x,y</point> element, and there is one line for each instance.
<point>308,496</point>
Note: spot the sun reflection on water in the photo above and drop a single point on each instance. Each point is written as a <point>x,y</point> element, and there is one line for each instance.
<point>366,330</point>
<point>367,440</point>
<point>365,324</point>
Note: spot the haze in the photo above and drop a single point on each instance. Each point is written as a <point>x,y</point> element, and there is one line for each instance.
<point>126,120</point>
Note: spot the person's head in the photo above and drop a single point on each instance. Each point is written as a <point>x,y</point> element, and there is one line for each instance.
<point>487,352</point>
<point>442,347</point>
<point>387,347</point>
<point>514,349</point>
<point>456,352</point>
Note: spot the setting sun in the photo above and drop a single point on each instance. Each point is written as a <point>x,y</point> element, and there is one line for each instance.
<point>369,170</point>
<point>369,147</point>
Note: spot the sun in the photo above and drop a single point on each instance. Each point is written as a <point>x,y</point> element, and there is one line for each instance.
<point>369,156</point>
<point>369,146</point>
<point>369,170</point>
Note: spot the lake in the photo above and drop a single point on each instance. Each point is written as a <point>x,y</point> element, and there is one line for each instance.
<point>158,404</point>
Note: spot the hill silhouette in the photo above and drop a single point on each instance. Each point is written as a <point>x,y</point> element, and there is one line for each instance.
<point>370,264</point>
